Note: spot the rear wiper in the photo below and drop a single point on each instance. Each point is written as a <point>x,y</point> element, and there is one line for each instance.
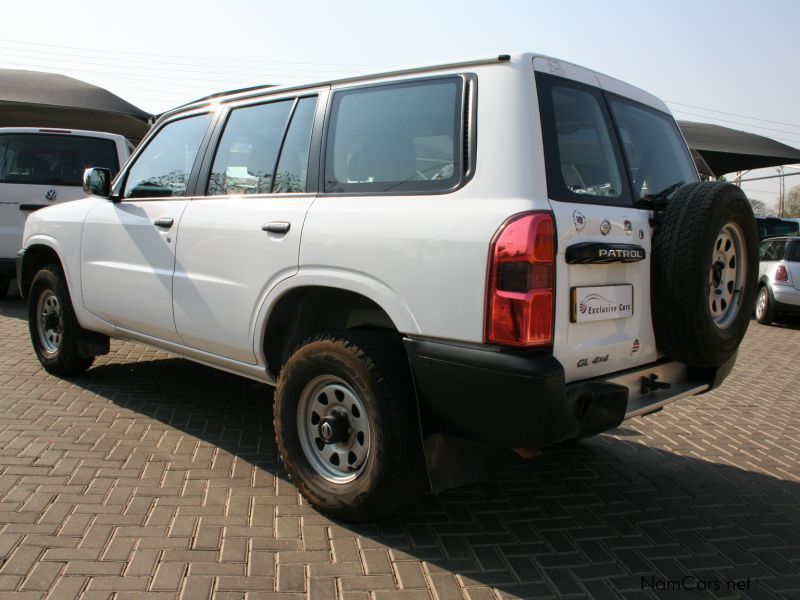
<point>660,198</point>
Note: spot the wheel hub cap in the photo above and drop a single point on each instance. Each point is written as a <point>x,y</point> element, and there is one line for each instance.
<point>727,275</point>
<point>333,429</point>
<point>49,322</point>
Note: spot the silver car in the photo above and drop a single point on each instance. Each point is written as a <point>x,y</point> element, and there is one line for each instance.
<point>778,278</point>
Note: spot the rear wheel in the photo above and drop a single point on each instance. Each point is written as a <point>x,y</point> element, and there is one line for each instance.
<point>347,427</point>
<point>53,327</point>
<point>765,308</point>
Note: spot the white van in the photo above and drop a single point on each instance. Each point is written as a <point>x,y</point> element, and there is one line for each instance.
<point>40,167</point>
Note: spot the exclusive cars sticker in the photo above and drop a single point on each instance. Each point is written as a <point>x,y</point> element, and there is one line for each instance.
<point>600,303</point>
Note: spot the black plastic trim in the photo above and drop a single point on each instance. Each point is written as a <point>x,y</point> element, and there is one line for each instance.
<point>601,253</point>
<point>32,207</point>
<point>510,399</point>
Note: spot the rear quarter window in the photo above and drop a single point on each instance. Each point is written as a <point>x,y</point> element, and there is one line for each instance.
<point>395,138</point>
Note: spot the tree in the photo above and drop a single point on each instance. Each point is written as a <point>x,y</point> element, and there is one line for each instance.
<point>791,207</point>
<point>760,208</point>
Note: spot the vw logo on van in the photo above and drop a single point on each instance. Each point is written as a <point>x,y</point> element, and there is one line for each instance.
<point>51,195</point>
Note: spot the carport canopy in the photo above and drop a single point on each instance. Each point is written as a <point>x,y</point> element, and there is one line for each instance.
<point>719,150</point>
<point>37,99</point>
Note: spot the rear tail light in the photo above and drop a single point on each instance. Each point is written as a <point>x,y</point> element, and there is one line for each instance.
<point>519,307</point>
<point>781,274</point>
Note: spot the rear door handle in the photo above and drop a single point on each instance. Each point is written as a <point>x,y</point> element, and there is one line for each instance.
<point>277,227</point>
<point>165,222</point>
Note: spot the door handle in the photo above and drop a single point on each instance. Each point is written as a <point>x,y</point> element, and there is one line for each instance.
<point>277,227</point>
<point>165,222</point>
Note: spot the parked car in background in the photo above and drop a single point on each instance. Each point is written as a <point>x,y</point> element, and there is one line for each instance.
<point>40,167</point>
<point>769,227</point>
<point>515,251</point>
<point>778,279</point>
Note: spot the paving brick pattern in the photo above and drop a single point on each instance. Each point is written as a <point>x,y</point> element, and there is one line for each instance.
<point>152,477</point>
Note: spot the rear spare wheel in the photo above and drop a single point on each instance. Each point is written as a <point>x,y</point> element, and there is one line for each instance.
<point>704,273</point>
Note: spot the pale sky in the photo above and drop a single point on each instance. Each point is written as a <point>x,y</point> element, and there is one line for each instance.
<point>733,63</point>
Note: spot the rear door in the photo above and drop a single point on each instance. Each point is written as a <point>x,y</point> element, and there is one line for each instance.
<point>241,234</point>
<point>608,159</point>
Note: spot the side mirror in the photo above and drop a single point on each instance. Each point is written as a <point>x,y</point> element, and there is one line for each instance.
<point>97,182</point>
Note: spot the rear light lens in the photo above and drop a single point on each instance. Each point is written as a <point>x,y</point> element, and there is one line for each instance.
<point>519,307</point>
<point>781,274</point>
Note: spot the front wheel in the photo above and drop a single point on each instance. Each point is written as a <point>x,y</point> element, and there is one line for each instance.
<point>765,308</point>
<point>53,327</point>
<point>347,427</point>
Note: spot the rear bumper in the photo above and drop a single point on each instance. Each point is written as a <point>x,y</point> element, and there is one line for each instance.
<point>787,298</point>
<point>517,400</point>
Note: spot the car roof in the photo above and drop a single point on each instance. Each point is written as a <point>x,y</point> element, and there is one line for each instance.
<point>781,238</point>
<point>603,81</point>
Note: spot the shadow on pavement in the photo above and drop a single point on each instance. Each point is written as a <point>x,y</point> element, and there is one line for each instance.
<point>605,518</point>
<point>12,305</point>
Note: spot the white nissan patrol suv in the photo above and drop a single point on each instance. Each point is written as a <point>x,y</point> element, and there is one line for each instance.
<point>514,251</point>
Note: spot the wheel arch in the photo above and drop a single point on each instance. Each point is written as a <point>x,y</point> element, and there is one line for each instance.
<point>39,253</point>
<point>304,310</point>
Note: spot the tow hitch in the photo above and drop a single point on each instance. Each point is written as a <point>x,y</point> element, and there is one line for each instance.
<point>649,384</point>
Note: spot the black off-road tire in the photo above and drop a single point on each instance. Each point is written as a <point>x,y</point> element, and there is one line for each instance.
<point>372,366</point>
<point>66,360</point>
<point>767,316</point>
<point>683,244</point>
<point>5,284</point>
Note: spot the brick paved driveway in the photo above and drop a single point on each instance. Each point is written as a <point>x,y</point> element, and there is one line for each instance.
<point>152,477</point>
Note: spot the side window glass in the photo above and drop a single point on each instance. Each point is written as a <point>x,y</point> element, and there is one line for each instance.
<point>293,164</point>
<point>396,137</point>
<point>246,154</point>
<point>586,154</point>
<point>162,169</point>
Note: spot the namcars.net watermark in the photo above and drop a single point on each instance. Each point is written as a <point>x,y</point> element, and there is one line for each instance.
<point>692,583</point>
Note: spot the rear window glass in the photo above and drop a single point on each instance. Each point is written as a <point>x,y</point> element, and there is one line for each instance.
<point>775,227</point>
<point>395,138</point>
<point>51,159</point>
<point>658,159</point>
<point>583,164</point>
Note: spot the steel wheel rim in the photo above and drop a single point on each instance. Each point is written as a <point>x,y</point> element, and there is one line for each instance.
<point>727,275</point>
<point>329,399</point>
<point>761,305</point>
<point>49,323</point>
